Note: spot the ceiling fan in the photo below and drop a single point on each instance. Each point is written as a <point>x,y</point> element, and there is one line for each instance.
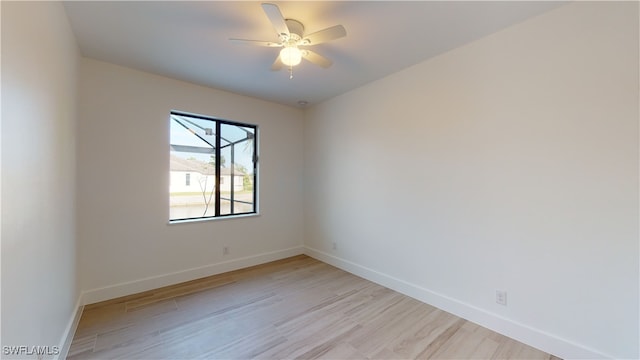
<point>293,41</point>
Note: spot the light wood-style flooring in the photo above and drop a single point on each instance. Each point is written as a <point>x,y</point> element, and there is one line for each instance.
<point>292,308</point>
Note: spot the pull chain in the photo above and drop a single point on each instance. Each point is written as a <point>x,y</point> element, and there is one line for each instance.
<point>290,72</point>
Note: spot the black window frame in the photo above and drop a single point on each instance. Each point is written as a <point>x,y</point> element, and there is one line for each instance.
<point>218,176</point>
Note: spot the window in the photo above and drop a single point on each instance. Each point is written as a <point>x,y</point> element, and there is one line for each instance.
<point>212,167</point>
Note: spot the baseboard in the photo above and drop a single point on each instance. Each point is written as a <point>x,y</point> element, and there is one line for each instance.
<point>70,330</point>
<point>150,283</point>
<point>534,337</point>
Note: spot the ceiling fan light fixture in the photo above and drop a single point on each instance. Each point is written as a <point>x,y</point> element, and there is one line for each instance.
<point>290,56</point>
<point>291,35</point>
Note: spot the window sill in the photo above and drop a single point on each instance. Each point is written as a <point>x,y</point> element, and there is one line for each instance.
<point>219,218</point>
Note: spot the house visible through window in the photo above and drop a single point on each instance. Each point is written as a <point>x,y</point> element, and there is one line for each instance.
<point>212,167</point>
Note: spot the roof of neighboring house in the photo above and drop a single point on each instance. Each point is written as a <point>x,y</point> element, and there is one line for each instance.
<point>177,163</point>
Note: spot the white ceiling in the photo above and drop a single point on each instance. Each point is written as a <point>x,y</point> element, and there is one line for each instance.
<point>189,40</point>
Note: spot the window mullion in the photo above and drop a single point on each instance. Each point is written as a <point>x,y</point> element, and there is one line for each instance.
<point>233,177</point>
<point>218,170</point>
<point>255,170</point>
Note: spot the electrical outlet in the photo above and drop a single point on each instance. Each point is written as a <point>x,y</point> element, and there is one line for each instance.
<point>334,246</point>
<point>225,250</point>
<point>501,297</point>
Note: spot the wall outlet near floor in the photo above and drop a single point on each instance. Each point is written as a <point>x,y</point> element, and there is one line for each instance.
<point>225,250</point>
<point>334,246</point>
<point>501,297</point>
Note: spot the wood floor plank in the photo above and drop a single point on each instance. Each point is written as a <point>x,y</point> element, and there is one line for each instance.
<point>253,345</point>
<point>437,344</point>
<point>293,308</point>
<point>422,332</point>
<point>82,345</point>
<point>383,330</point>
<point>337,350</point>
<point>172,292</point>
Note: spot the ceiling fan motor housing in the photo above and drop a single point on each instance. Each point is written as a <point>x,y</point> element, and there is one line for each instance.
<point>295,28</point>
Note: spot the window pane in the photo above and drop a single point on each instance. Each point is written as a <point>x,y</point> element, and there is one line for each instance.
<point>192,169</point>
<point>237,148</point>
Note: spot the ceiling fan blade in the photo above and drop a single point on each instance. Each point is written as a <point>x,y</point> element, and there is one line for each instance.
<point>277,65</point>
<point>328,34</point>
<point>255,42</point>
<point>317,59</point>
<point>276,18</point>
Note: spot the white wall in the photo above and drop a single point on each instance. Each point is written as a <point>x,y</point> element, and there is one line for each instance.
<point>39,73</point>
<point>522,154</point>
<point>126,244</point>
